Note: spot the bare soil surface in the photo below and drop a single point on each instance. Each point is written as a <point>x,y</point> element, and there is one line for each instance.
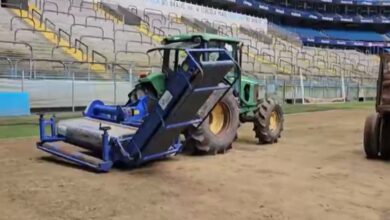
<point>317,171</point>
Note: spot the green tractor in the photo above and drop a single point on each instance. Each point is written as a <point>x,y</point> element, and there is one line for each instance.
<point>243,104</point>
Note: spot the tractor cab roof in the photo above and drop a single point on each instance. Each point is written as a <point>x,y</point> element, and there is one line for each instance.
<point>199,37</point>
<point>180,45</point>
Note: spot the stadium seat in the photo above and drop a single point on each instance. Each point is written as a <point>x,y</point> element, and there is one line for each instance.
<point>305,32</point>
<point>354,35</point>
<point>337,34</point>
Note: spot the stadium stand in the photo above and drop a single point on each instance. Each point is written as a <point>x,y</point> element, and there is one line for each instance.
<point>108,41</point>
<point>21,42</point>
<point>367,26</point>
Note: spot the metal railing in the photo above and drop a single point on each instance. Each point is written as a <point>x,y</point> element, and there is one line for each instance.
<point>48,68</point>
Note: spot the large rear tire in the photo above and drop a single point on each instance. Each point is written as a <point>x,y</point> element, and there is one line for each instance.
<point>371,136</point>
<point>219,130</point>
<point>268,123</point>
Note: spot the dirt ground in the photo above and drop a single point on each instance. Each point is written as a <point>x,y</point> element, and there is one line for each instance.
<point>317,171</point>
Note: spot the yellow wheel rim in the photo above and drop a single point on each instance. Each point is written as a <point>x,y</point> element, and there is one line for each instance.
<point>273,121</point>
<point>218,118</point>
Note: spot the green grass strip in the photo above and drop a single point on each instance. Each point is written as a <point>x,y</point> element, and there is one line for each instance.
<point>27,126</point>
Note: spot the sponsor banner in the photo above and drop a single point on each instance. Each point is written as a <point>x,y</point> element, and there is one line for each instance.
<point>356,2</point>
<point>313,15</point>
<point>351,43</point>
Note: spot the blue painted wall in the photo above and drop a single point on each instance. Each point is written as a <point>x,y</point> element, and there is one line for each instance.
<point>14,104</point>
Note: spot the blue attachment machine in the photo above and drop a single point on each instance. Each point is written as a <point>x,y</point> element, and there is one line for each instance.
<point>130,134</point>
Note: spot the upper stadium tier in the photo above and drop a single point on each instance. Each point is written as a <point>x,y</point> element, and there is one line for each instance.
<point>320,12</point>
<point>339,37</point>
<point>323,22</point>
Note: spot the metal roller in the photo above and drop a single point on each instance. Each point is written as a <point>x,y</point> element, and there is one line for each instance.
<point>85,132</point>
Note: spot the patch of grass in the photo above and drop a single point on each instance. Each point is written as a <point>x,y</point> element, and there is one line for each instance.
<point>13,127</point>
<point>13,131</point>
<point>291,109</point>
<point>26,126</point>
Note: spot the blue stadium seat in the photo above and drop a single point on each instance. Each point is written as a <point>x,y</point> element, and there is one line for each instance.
<point>354,35</point>
<point>337,34</point>
<point>305,32</point>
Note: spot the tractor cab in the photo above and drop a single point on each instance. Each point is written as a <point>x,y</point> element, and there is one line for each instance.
<point>174,58</point>
<point>246,88</point>
<point>231,45</point>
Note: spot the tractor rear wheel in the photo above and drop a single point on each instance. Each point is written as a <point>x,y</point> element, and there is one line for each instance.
<point>371,136</point>
<point>268,123</point>
<point>384,138</point>
<point>218,131</point>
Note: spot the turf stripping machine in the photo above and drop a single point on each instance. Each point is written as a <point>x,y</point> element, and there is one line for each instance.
<point>132,134</point>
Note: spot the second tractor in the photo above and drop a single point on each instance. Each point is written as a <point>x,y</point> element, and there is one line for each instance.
<point>377,125</point>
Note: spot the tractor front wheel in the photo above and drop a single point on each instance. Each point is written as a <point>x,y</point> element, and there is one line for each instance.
<point>268,123</point>
<point>217,133</point>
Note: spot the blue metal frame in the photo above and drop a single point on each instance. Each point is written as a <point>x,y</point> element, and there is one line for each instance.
<point>119,114</point>
<point>44,145</point>
<point>109,155</point>
<point>43,123</point>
